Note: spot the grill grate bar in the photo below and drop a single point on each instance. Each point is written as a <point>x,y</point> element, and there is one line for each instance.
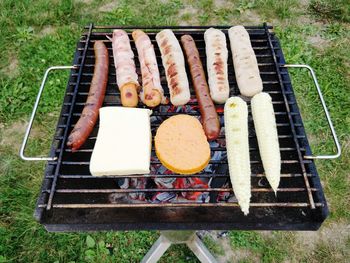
<point>258,56</point>
<point>155,114</point>
<point>266,82</point>
<point>116,93</point>
<point>306,180</point>
<point>200,40</point>
<point>220,137</point>
<point>199,49</point>
<point>155,125</point>
<point>187,28</point>
<point>59,160</point>
<point>282,149</point>
<point>179,204</point>
<point>113,74</point>
<point>210,162</point>
<point>261,64</point>
<point>171,190</point>
<point>192,103</point>
<point>152,176</point>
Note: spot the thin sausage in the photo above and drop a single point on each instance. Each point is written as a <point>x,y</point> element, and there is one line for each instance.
<point>210,117</point>
<point>88,118</point>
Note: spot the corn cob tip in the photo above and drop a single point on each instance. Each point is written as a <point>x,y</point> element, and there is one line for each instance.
<point>274,185</point>
<point>245,211</point>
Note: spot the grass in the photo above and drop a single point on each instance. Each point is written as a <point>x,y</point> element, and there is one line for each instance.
<point>30,49</point>
<point>331,10</point>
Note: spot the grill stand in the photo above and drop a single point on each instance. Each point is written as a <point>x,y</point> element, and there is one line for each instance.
<point>167,238</point>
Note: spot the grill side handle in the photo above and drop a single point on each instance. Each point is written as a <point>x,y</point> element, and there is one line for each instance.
<point>335,138</point>
<point>31,120</point>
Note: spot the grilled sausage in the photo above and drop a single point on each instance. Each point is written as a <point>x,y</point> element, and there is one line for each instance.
<point>244,61</point>
<point>217,54</point>
<point>210,117</point>
<point>174,65</point>
<point>88,118</point>
<point>125,68</point>
<point>152,93</point>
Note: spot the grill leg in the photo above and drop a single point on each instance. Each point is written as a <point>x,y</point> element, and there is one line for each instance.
<point>157,250</point>
<point>168,238</point>
<point>200,250</point>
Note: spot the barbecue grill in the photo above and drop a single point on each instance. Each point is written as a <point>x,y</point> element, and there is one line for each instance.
<point>73,200</point>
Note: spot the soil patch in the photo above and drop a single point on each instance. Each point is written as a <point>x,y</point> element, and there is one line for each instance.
<point>12,136</point>
<point>48,30</point>
<point>12,69</point>
<point>109,6</point>
<point>318,41</point>
<point>188,16</point>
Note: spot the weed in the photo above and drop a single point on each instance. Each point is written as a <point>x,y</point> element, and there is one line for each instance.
<point>213,246</point>
<point>245,5</point>
<point>335,31</point>
<point>332,10</point>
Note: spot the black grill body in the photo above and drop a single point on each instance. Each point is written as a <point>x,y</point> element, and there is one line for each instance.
<point>72,200</point>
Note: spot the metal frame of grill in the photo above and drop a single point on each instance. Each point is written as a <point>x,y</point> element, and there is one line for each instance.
<point>71,199</point>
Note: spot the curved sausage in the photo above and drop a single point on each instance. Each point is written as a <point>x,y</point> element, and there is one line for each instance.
<point>88,118</point>
<point>210,117</point>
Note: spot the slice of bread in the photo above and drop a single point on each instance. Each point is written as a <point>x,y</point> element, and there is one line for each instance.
<point>181,145</point>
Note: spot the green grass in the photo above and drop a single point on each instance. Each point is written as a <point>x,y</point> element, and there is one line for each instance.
<point>331,10</point>
<point>24,45</point>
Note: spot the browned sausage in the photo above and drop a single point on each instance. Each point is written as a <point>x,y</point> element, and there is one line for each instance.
<point>88,118</point>
<point>210,117</point>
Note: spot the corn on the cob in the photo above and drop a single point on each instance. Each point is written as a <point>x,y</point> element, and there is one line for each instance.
<point>237,145</point>
<point>266,132</point>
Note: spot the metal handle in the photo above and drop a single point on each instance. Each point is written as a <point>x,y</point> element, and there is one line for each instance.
<point>26,135</point>
<point>335,138</point>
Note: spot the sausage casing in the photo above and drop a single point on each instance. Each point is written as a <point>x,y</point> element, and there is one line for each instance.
<point>245,63</point>
<point>89,115</point>
<point>124,63</point>
<point>217,55</point>
<point>174,65</point>
<point>152,93</point>
<point>210,117</point>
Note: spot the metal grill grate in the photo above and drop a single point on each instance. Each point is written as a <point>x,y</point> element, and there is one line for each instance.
<point>71,199</point>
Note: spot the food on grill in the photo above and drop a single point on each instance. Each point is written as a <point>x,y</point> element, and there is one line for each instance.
<point>123,144</point>
<point>89,115</point>
<point>210,117</point>
<point>266,133</point>
<point>217,54</point>
<point>152,93</point>
<point>244,62</point>
<point>237,145</point>
<point>125,68</point>
<point>181,145</point>
<point>174,65</point>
